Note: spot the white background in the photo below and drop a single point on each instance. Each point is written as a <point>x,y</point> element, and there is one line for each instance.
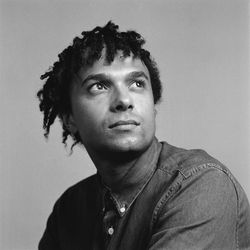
<point>201,47</point>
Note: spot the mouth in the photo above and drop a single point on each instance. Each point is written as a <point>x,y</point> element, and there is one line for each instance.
<point>124,124</point>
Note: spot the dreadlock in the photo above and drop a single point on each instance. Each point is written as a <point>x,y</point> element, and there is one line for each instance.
<point>54,96</point>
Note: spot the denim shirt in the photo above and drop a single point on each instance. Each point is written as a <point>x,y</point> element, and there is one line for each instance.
<point>181,199</point>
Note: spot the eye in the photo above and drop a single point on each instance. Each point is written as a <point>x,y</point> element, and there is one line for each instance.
<point>97,87</point>
<point>138,84</point>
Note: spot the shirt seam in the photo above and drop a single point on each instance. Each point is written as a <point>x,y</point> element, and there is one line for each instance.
<point>228,173</point>
<point>139,191</point>
<point>184,176</point>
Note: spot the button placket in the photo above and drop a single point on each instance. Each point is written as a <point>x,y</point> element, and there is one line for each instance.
<point>123,209</point>
<point>111,230</point>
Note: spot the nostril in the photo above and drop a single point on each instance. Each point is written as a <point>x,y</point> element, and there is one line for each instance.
<point>123,107</point>
<point>121,101</point>
<point>119,107</point>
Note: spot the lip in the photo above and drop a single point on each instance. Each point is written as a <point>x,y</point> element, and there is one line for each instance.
<point>124,123</point>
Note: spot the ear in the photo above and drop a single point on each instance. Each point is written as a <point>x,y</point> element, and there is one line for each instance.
<point>155,111</point>
<point>69,123</point>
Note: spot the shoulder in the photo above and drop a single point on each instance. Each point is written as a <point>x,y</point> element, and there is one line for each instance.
<point>201,202</point>
<point>200,188</point>
<point>81,186</point>
<point>79,191</point>
<point>196,179</point>
<point>193,164</point>
<point>196,169</point>
<point>178,159</point>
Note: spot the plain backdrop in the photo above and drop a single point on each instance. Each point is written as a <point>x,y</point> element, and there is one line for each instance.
<point>201,47</point>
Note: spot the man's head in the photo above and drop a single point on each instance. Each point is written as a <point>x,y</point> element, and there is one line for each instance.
<point>103,49</point>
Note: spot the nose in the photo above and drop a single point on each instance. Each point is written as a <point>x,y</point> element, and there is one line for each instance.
<point>121,100</point>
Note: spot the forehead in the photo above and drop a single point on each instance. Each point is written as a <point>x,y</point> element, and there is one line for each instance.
<point>119,67</point>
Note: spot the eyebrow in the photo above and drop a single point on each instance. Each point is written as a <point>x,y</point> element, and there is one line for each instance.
<point>137,74</point>
<point>97,77</point>
<point>101,76</point>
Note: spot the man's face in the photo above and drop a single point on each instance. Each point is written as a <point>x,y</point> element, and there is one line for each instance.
<point>113,106</point>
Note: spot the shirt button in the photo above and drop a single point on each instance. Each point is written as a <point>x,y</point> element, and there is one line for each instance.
<point>122,209</point>
<point>110,230</point>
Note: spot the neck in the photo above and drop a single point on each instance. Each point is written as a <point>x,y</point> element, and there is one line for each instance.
<point>114,168</point>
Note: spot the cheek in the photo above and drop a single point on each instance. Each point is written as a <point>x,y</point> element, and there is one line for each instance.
<point>87,116</point>
<point>150,113</point>
<point>147,108</point>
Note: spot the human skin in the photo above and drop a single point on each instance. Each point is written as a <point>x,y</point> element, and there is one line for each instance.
<point>113,109</point>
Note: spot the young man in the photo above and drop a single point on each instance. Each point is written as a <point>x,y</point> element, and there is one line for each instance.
<point>146,194</point>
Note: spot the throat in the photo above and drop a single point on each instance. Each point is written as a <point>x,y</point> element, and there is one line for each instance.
<point>115,174</point>
<point>125,171</point>
<point>122,170</point>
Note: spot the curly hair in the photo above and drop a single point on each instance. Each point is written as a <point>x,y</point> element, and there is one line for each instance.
<point>54,96</point>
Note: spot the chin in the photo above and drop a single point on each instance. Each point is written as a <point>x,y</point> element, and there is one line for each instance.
<point>130,144</point>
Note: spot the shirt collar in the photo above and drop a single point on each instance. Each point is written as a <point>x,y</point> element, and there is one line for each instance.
<point>136,179</point>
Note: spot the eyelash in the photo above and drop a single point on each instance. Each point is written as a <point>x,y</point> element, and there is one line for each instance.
<point>97,84</point>
<point>104,85</point>
<point>140,82</point>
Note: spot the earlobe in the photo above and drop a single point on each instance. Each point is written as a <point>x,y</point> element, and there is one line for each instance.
<point>155,112</point>
<point>69,123</point>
